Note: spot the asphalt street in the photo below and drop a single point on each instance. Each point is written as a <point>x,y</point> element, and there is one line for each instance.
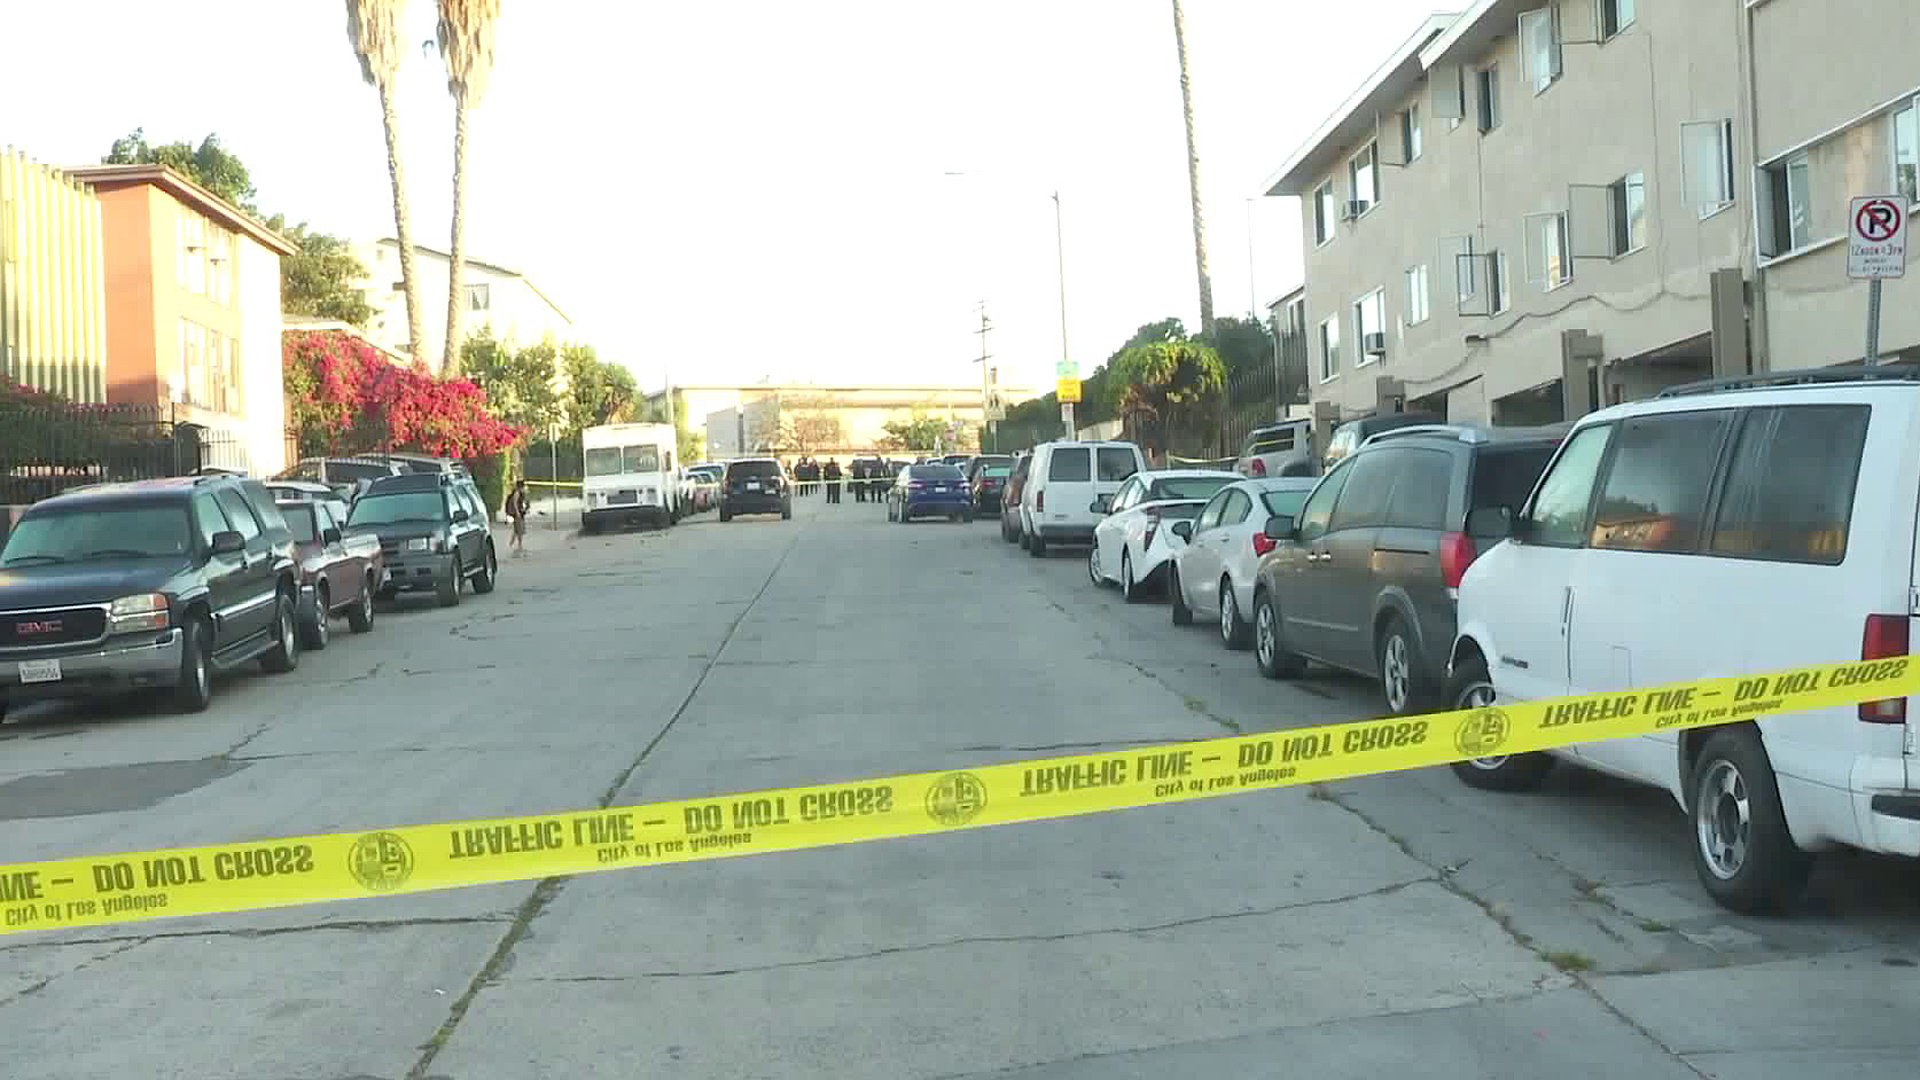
<point>1400,922</point>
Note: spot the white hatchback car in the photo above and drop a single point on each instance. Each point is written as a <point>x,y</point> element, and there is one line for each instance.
<point>1130,544</point>
<point>1214,573</point>
<point>1720,529</point>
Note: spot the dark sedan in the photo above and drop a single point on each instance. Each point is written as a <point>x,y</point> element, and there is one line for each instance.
<point>929,490</point>
<point>987,482</point>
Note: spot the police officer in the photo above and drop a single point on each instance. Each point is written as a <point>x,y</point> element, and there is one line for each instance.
<point>832,473</point>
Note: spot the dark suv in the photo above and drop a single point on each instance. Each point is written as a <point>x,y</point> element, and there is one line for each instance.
<point>150,585</point>
<point>434,534</point>
<point>1368,577</point>
<point>1010,496</point>
<point>755,486</point>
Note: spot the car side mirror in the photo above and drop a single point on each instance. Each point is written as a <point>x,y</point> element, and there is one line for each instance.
<point>1183,529</point>
<point>1281,527</point>
<point>461,516</point>
<point>330,535</point>
<point>228,542</point>
<point>1099,505</point>
<point>1493,523</point>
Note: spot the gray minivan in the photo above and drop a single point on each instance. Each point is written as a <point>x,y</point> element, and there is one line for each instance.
<point>1367,578</point>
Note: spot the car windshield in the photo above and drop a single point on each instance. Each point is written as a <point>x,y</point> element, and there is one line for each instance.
<point>386,508</point>
<point>749,470</point>
<point>936,472</point>
<point>603,461</point>
<point>356,470</point>
<point>997,472</point>
<point>300,523</point>
<point>71,535</point>
<point>1189,487</point>
<point>1284,502</point>
<point>1180,511</point>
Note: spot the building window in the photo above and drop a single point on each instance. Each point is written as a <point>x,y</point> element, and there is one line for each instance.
<point>1363,180</point>
<point>1417,302</point>
<point>1790,225</point>
<point>1547,262</point>
<point>1540,46</point>
<point>1329,348</point>
<point>220,266</point>
<point>1370,327</point>
<point>1906,151</point>
<point>1615,16</point>
<point>1323,215</point>
<point>191,230</point>
<point>1706,162</point>
<point>478,298</point>
<point>1457,253</point>
<point>1410,134</point>
<point>1499,294</point>
<point>1297,317</point>
<point>1487,83</point>
<point>1627,199</point>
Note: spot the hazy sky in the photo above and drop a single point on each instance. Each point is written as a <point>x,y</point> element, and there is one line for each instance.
<point>757,188</point>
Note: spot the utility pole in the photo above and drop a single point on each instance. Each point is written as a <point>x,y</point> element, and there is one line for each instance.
<point>986,391</point>
<point>1060,249</point>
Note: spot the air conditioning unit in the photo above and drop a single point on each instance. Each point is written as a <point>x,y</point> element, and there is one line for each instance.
<point>1374,344</point>
<point>1355,207</point>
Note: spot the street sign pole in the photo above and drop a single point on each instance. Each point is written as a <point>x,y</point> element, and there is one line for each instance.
<point>1873,322</point>
<point>1876,250</point>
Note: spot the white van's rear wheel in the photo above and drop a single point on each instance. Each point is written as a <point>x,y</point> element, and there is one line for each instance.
<point>1471,688</point>
<point>1742,850</point>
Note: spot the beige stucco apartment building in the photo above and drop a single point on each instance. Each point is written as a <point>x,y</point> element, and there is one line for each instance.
<point>1531,209</point>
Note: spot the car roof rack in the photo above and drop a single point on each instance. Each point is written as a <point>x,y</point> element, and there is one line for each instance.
<point>1775,380</point>
<point>1458,431</point>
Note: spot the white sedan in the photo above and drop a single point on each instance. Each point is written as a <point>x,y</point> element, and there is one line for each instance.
<point>1134,539</point>
<point>1213,573</point>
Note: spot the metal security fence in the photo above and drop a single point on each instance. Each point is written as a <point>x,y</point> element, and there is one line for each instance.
<point>49,448</point>
<point>1258,396</point>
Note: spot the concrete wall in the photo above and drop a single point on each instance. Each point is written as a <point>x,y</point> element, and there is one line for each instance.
<point>263,429</point>
<point>52,284</point>
<point>1815,316</point>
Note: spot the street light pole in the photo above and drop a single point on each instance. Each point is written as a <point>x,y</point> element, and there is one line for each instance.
<point>1060,250</point>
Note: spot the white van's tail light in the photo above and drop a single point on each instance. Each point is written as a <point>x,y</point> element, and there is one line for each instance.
<point>1256,467</point>
<point>1884,637</point>
<point>1039,502</point>
<point>1456,554</point>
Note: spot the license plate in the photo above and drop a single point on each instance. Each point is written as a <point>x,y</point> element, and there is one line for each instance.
<point>940,487</point>
<point>32,671</point>
<point>753,485</point>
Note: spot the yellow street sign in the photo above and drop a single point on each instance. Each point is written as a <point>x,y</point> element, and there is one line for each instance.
<point>1068,391</point>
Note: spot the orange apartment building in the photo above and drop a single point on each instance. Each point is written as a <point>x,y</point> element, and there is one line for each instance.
<point>192,308</point>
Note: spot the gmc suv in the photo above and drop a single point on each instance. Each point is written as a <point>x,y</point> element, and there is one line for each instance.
<point>149,585</point>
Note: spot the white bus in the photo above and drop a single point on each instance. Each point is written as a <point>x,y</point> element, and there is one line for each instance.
<point>629,475</point>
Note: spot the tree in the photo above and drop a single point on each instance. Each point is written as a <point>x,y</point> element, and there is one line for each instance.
<point>1193,174</point>
<point>346,398</point>
<point>598,392</point>
<point>1245,345</point>
<point>1169,392</point>
<point>518,382</point>
<point>210,164</point>
<point>374,30</point>
<point>812,431</point>
<point>321,279</point>
<point>465,37</point>
<point>920,432</point>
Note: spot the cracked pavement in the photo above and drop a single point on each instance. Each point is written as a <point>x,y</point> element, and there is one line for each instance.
<point>1340,930</point>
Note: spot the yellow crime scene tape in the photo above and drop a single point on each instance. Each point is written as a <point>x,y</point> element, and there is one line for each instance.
<point>62,893</point>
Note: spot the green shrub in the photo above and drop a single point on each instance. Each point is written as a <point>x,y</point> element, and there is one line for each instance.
<point>490,476</point>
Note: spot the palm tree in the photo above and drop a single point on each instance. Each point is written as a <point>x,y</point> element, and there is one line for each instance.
<point>1193,176</point>
<point>465,36</point>
<point>373,28</point>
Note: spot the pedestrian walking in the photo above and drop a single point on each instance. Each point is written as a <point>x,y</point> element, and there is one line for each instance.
<point>517,513</point>
<point>832,473</point>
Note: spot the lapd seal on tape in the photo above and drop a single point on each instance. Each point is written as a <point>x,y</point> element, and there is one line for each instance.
<point>380,861</point>
<point>1482,733</point>
<point>956,798</point>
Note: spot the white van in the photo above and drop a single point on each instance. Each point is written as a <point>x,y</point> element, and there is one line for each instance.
<point>1068,476</point>
<point>629,475</point>
<point>1722,528</point>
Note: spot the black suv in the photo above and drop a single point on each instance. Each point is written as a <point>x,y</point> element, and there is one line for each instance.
<point>755,486</point>
<point>149,585</point>
<point>434,531</point>
<point>1367,579</point>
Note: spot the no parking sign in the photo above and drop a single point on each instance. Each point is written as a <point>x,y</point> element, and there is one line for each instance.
<point>1877,237</point>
